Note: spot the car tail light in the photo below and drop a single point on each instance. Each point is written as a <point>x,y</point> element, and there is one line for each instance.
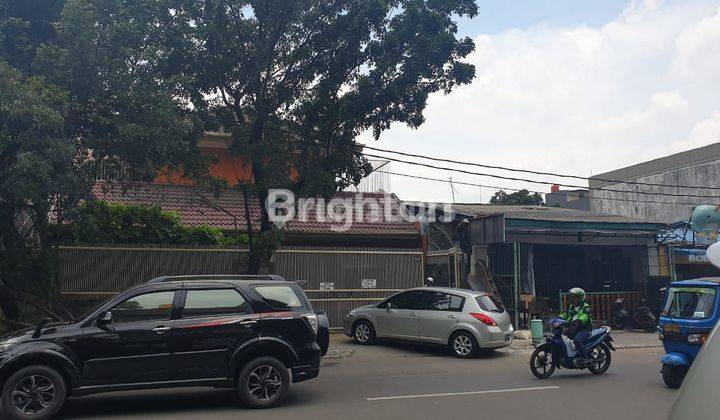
<point>484,318</point>
<point>312,319</point>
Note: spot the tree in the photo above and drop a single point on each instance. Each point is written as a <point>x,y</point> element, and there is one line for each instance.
<point>522,197</point>
<point>295,82</point>
<point>77,89</point>
<point>39,171</point>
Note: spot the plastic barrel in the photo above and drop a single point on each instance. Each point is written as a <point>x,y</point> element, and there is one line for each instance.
<point>536,328</point>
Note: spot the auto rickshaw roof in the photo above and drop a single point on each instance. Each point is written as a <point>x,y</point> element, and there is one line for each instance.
<point>703,281</point>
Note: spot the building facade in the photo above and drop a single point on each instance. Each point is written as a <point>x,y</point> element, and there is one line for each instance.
<point>624,192</point>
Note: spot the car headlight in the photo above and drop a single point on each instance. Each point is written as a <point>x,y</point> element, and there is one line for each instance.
<point>312,319</point>
<point>696,338</point>
<point>351,313</point>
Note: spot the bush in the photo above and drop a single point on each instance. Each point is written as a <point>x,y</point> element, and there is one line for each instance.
<point>102,222</point>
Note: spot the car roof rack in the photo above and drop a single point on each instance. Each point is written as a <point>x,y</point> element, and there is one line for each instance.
<point>229,277</point>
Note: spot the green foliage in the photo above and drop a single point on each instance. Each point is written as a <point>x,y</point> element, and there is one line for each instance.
<point>76,87</point>
<point>102,222</point>
<point>123,108</point>
<point>522,197</point>
<point>39,170</point>
<point>297,81</point>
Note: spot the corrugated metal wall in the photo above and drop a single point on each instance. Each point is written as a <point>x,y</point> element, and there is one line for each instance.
<point>335,279</point>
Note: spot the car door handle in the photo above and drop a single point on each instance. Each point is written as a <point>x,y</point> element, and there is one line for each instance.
<point>414,314</point>
<point>248,323</point>
<point>161,329</point>
<point>452,317</point>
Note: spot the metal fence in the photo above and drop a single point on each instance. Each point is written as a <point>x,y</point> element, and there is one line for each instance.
<point>335,279</point>
<point>503,267</point>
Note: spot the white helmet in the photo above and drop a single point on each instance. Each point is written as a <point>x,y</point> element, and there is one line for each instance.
<point>576,291</point>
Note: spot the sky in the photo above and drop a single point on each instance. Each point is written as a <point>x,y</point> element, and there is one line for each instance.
<point>568,86</point>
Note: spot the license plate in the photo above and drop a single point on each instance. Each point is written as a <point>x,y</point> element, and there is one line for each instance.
<point>671,328</point>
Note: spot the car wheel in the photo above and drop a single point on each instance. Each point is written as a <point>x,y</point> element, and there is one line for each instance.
<point>673,375</point>
<point>35,392</point>
<point>363,332</point>
<point>263,383</point>
<point>463,345</point>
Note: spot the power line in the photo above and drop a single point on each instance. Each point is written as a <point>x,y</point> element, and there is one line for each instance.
<point>528,171</point>
<point>356,150</point>
<point>442,168</point>
<point>495,187</point>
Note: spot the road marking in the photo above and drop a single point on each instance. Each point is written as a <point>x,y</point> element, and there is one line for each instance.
<point>453,394</point>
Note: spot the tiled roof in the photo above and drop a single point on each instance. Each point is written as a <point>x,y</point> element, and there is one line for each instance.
<point>684,159</point>
<point>197,206</point>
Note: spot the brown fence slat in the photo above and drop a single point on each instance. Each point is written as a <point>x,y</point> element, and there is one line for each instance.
<point>334,277</point>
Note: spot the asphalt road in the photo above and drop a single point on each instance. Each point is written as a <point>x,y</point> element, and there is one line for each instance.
<point>404,382</point>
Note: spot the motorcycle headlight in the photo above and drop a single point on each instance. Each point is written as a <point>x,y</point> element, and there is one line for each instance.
<point>696,338</point>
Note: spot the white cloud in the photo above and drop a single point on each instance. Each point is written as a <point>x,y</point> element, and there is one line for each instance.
<point>575,99</point>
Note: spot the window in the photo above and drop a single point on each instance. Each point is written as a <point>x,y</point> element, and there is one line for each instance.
<point>148,307</point>
<point>690,302</point>
<point>489,303</point>
<point>456,303</point>
<point>213,302</point>
<point>440,301</point>
<point>282,297</point>
<point>404,300</point>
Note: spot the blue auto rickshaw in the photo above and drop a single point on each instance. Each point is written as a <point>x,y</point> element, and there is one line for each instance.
<point>690,312</point>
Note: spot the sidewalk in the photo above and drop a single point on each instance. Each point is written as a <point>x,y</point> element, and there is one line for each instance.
<point>622,340</point>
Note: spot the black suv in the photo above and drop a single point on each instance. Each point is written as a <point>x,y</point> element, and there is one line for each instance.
<point>242,332</point>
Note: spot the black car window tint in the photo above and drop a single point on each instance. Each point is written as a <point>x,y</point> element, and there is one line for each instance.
<point>145,307</point>
<point>281,297</point>
<point>456,303</point>
<point>401,301</point>
<point>441,301</point>
<point>213,302</point>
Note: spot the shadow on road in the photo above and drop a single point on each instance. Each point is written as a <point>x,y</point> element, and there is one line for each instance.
<point>146,404</point>
<point>402,348</point>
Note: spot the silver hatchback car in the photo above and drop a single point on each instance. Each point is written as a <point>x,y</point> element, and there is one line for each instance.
<point>468,322</point>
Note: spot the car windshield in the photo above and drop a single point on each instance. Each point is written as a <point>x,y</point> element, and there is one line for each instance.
<point>690,302</point>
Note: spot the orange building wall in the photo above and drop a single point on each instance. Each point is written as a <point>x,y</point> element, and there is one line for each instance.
<point>235,169</point>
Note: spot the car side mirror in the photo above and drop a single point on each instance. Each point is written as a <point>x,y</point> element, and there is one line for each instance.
<point>389,306</point>
<point>104,318</point>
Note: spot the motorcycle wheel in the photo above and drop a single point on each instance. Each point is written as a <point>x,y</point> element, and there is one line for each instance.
<point>541,361</point>
<point>618,325</point>
<point>673,375</point>
<point>602,359</point>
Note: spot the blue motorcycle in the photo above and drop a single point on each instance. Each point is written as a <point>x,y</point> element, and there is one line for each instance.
<point>559,352</point>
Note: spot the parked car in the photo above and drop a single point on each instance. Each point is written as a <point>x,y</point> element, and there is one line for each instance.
<point>697,398</point>
<point>467,322</point>
<point>241,332</point>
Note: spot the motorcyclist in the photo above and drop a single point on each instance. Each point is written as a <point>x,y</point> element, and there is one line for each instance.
<point>578,320</point>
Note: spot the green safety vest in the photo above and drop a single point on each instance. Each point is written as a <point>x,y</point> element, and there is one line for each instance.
<point>582,313</point>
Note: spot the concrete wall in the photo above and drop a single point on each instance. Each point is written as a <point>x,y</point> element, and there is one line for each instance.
<point>673,208</point>
<point>571,199</point>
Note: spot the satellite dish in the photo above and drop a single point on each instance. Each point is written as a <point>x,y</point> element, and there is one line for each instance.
<point>713,254</point>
